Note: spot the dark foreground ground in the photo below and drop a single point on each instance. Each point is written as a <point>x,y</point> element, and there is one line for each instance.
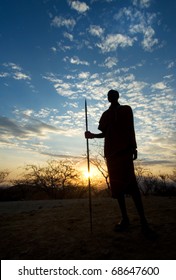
<point>60,229</point>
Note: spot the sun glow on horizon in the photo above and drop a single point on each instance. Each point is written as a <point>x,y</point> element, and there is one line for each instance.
<point>88,174</point>
<point>92,174</point>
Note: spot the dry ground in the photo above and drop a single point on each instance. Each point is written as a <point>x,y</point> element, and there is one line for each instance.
<point>60,229</point>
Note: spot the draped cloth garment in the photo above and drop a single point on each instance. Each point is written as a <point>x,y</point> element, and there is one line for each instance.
<point>118,127</point>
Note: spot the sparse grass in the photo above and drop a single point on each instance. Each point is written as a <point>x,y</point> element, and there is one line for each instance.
<point>60,229</point>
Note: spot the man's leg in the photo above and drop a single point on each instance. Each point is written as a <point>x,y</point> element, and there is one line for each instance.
<point>124,223</point>
<point>148,232</point>
<point>122,206</point>
<point>139,206</point>
<point>138,202</point>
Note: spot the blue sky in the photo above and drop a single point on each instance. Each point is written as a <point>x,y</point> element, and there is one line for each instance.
<point>54,53</point>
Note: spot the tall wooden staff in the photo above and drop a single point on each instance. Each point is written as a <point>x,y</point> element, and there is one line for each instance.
<point>88,168</point>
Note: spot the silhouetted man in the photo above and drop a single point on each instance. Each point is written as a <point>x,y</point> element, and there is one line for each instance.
<point>120,149</point>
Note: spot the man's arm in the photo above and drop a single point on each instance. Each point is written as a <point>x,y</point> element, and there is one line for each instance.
<point>90,135</point>
<point>135,154</point>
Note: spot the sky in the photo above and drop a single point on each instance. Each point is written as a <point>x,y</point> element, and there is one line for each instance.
<point>56,53</point>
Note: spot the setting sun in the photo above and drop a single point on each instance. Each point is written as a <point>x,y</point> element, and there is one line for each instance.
<point>93,173</point>
<point>87,174</point>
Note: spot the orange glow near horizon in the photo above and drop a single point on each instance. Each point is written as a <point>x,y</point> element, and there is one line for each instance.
<point>87,174</point>
<point>93,173</point>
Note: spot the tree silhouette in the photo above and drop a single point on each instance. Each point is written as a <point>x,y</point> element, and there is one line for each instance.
<point>56,174</point>
<point>3,175</point>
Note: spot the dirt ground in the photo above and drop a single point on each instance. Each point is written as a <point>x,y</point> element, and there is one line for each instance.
<point>60,230</point>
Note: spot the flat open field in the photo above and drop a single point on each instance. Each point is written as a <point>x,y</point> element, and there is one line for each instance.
<point>60,229</point>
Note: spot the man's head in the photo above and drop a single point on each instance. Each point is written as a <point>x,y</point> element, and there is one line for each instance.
<point>113,96</point>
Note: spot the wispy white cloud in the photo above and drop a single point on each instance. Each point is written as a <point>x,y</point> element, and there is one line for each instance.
<point>140,22</point>
<point>95,85</point>
<point>96,30</point>
<point>171,65</point>
<point>29,134</point>
<point>113,41</point>
<point>154,121</point>
<point>159,85</point>
<point>8,128</point>
<point>168,77</point>
<point>76,60</point>
<point>54,49</point>
<point>61,86</point>
<point>141,3</point>
<point>80,7</point>
<point>68,36</point>
<point>28,127</point>
<point>21,76</point>
<point>63,47</point>
<point>13,66</point>
<point>15,71</point>
<point>27,112</point>
<point>149,41</point>
<point>59,21</point>
<point>110,62</point>
<point>83,75</point>
<point>4,75</point>
<point>161,147</point>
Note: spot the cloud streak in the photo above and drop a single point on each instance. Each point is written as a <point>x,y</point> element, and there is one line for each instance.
<point>59,21</point>
<point>113,41</point>
<point>15,71</point>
